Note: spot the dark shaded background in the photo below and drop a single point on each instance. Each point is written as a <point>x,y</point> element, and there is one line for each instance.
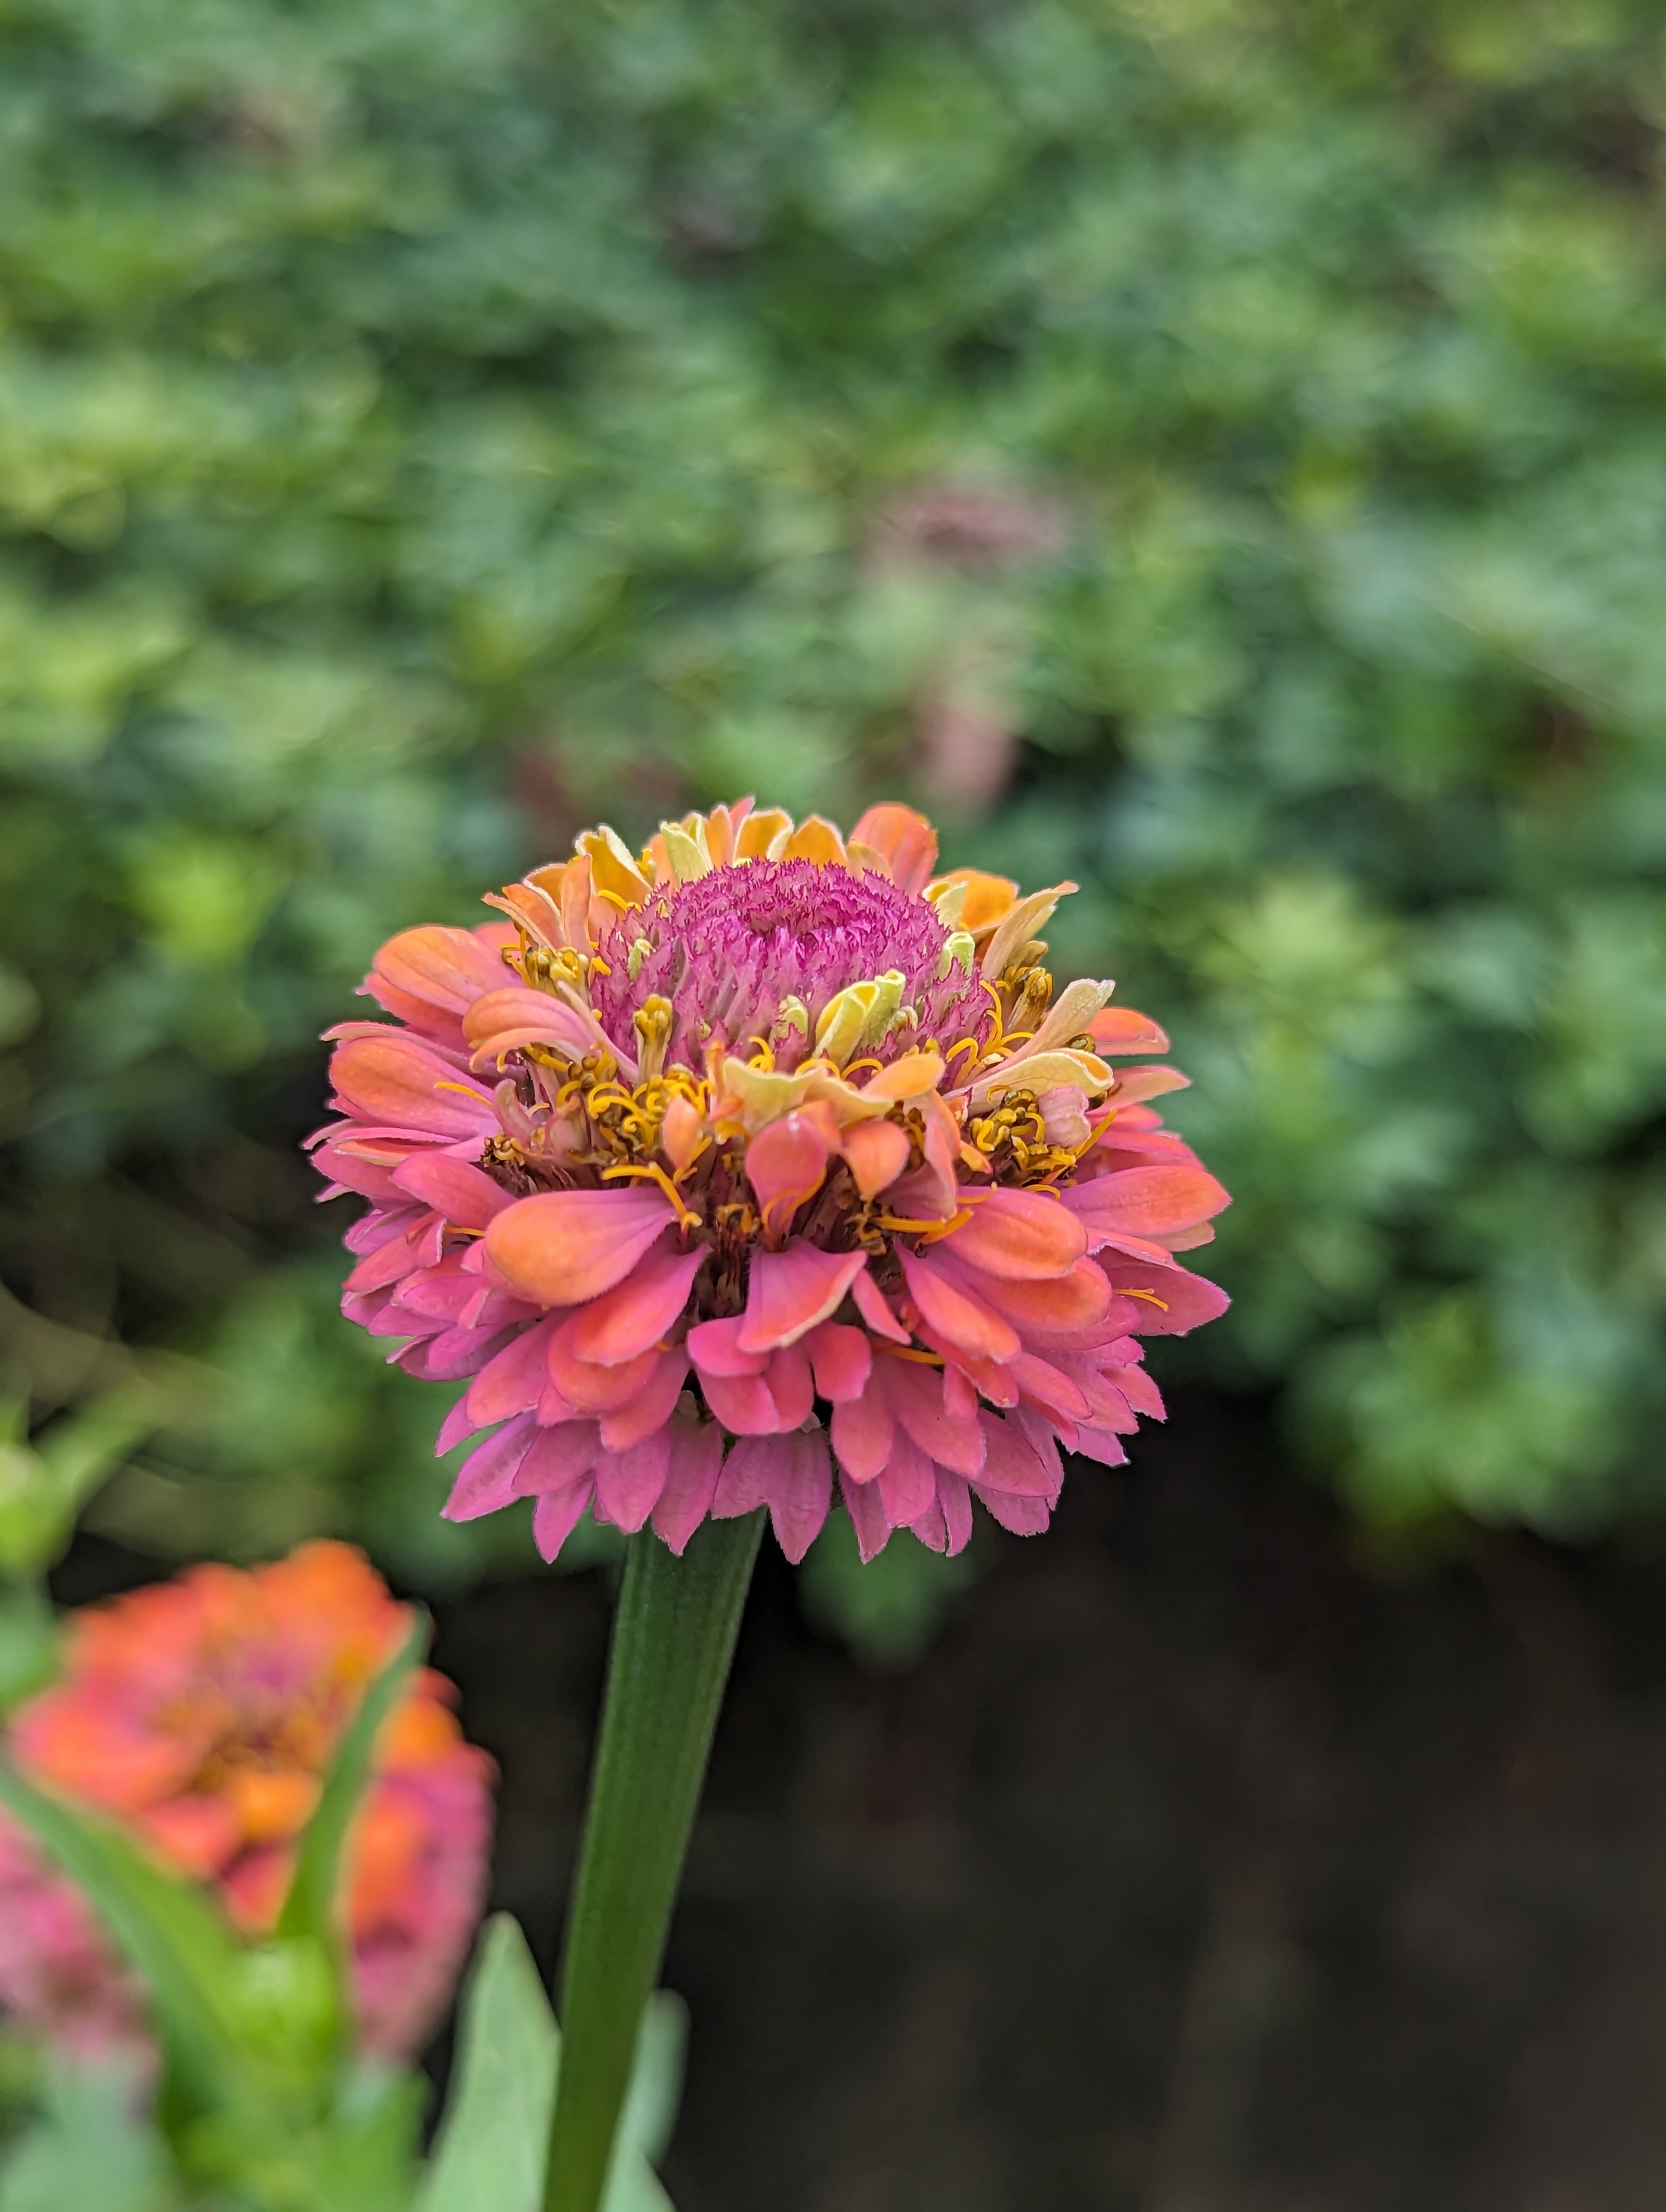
<point>1201,1866</point>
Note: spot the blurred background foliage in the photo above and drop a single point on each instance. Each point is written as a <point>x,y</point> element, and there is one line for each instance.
<point>1212,448</point>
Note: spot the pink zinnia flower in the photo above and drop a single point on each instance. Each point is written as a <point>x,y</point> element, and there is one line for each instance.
<point>201,1715</point>
<point>759,1156</point>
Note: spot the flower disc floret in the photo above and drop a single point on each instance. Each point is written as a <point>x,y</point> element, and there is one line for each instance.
<point>760,1157</point>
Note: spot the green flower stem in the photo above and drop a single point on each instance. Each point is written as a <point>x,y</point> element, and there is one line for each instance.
<point>674,1638</point>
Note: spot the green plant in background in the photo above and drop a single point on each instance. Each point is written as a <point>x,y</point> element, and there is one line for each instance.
<point>1226,435</point>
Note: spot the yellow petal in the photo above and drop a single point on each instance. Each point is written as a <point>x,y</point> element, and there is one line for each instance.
<point>613,870</point>
<point>759,832</point>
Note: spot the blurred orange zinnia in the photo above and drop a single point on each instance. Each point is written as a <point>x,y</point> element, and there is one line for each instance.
<point>201,1715</point>
<point>757,1155</point>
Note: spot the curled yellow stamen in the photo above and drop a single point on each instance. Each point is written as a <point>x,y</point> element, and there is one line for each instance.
<point>686,1220</point>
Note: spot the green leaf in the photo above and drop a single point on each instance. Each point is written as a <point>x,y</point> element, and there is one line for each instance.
<point>492,2142</point>
<point>184,1951</point>
<point>87,2148</point>
<point>309,1908</point>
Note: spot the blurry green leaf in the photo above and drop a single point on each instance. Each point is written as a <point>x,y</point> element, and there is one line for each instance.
<point>44,1486</point>
<point>90,2148</point>
<point>493,2138</point>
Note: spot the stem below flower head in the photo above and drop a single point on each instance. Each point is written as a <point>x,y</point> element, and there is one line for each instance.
<point>674,1638</point>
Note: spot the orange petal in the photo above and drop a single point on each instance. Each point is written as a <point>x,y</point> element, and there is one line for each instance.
<point>989,899</point>
<point>1119,1028</point>
<point>271,1807</point>
<point>1075,1300</point>
<point>759,831</point>
<point>955,1313</point>
<point>876,1153</point>
<point>1151,1201</point>
<point>1133,1083</point>
<point>815,839</point>
<point>1017,1235</point>
<point>592,1388</point>
<point>562,1247</point>
<point>444,967</point>
<point>786,1164</point>
<point>393,1079</point>
<point>790,1292</point>
<point>906,841</point>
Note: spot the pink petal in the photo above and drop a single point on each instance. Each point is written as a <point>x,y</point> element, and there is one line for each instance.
<point>652,1407</point>
<point>514,1380</point>
<point>697,1461</point>
<point>908,1482</point>
<point>1035,1428</point>
<point>915,1395</point>
<point>1010,1463</point>
<point>1019,1235</point>
<point>863,1433</point>
<point>800,1491</point>
<point>458,1424</point>
<point>791,1385</point>
<point>468,1198</point>
<point>485,1480</point>
<point>715,1350</point>
<point>1100,1444</point>
<point>557,1514</point>
<point>395,1079</point>
<point>744,1484</point>
<point>562,1248</point>
<point>556,1459</point>
<point>596,1389</point>
<point>742,1403</point>
<point>1048,1387</point>
<point>785,1165</point>
<point>871,1304</point>
<point>1171,1302</point>
<point>629,1483</point>
<point>1141,1393</point>
<point>455,1352</point>
<point>932,1527</point>
<point>626,1321</point>
<point>789,1291</point>
<point>876,1152</point>
<point>379,1268</point>
<point>867,1514</point>
<point>955,1313</point>
<point>954,1502</point>
<point>842,1357</point>
<point>1024,1516</point>
<point>1148,1202</point>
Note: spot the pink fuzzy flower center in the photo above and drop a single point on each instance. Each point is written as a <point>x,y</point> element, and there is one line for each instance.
<point>742,950</point>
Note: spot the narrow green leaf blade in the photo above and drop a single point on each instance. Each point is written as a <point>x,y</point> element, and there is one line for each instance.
<point>308,1909</point>
<point>494,2138</point>
<point>173,1937</point>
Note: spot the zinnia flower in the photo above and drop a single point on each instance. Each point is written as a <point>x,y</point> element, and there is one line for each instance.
<point>201,1715</point>
<point>759,1155</point>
